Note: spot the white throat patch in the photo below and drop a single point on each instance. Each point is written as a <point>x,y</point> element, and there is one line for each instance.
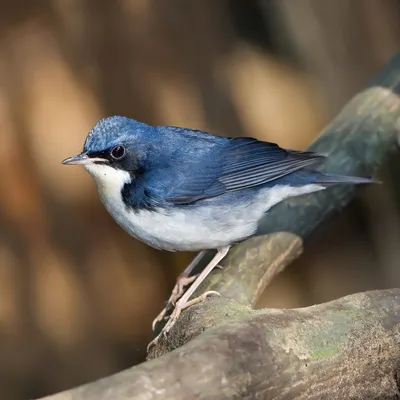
<point>109,180</point>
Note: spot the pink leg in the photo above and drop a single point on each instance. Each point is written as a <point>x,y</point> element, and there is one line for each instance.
<point>182,281</point>
<point>184,302</point>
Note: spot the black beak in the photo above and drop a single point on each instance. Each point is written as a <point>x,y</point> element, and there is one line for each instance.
<point>83,159</point>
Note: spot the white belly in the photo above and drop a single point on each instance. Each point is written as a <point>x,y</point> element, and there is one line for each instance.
<point>180,230</point>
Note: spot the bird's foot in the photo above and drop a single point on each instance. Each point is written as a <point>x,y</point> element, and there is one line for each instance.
<point>179,307</point>
<point>176,294</point>
<point>180,286</point>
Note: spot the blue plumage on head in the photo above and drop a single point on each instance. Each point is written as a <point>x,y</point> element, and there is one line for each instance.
<point>113,131</point>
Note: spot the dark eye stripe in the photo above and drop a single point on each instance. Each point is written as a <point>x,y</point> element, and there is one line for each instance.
<point>99,154</point>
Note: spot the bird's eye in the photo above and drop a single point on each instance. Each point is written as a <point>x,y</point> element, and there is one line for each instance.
<point>117,152</point>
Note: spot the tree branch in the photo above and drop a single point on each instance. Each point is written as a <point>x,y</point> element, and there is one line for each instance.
<point>346,348</point>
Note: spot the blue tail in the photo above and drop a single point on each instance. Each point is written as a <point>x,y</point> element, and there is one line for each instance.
<point>330,179</point>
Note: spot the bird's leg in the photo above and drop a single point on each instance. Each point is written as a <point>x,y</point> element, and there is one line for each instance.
<point>183,280</point>
<point>184,302</point>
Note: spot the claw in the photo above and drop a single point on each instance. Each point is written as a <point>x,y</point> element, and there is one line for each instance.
<point>176,314</point>
<point>177,293</point>
<point>184,301</point>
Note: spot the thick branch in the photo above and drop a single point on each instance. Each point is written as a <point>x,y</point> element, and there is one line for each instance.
<point>348,348</point>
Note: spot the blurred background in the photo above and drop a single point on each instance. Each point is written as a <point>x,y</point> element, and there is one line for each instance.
<point>77,294</point>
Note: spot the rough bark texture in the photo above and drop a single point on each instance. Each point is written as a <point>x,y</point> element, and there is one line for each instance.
<point>348,348</point>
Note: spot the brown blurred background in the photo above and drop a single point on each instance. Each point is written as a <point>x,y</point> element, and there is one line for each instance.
<point>77,294</point>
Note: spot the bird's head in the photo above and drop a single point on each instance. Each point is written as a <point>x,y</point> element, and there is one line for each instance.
<point>113,151</point>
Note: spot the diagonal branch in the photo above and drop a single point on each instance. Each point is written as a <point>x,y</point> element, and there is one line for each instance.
<point>347,348</point>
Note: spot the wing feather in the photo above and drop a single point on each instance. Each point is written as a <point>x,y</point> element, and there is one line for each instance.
<point>242,163</point>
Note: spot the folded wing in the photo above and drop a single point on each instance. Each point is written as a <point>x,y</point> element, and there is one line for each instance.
<point>242,163</point>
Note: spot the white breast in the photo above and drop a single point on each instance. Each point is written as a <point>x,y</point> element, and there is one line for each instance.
<point>188,228</point>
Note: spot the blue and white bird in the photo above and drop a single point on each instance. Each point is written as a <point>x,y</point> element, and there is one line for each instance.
<point>180,189</point>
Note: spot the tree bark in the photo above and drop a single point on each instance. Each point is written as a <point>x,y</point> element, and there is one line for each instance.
<point>348,348</point>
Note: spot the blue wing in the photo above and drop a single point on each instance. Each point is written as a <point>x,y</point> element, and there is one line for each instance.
<point>241,163</point>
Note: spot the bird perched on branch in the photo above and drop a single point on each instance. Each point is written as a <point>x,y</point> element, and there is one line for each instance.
<point>180,189</point>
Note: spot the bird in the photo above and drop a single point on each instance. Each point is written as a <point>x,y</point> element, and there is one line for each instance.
<point>181,189</point>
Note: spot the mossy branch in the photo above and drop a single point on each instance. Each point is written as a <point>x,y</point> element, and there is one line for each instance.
<point>347,348</point>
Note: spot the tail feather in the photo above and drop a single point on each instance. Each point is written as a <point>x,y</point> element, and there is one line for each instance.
<point>330,179</point>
